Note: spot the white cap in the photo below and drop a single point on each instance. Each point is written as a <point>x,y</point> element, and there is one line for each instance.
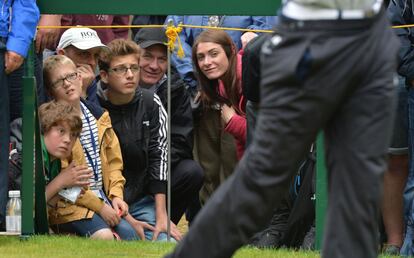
<point>14,193</point>
<point>82,38</point>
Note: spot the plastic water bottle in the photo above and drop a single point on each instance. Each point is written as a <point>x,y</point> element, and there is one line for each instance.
<point>14,212</point>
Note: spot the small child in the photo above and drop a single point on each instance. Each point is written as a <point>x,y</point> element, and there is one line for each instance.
<point>61,126</point>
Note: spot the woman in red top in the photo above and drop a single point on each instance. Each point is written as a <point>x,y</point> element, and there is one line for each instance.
<point>219,69</point>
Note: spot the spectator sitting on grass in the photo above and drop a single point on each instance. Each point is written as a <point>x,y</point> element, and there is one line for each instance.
<point>140,122</point>
<point>101,207</point>
<point>61,126</point>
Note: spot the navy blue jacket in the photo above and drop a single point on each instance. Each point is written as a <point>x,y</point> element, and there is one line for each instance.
<point>400,12</point>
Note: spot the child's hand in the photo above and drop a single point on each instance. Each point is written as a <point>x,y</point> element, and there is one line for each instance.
<point>120,206</point>
<point>109,215</point>
<point>75,175</point>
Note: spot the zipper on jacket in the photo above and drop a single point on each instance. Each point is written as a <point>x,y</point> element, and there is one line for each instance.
<point>87,213</point>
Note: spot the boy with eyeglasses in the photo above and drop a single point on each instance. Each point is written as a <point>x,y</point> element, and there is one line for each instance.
<point>99,211</point>
<point>140,122</point>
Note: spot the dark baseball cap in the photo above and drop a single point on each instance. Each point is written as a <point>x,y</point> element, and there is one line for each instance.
<point>147,37</point>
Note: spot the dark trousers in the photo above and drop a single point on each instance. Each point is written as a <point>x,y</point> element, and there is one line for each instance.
<point>186,181</point>
<point>252,108</point>
<point>335,76</point>
<point>4,133</point>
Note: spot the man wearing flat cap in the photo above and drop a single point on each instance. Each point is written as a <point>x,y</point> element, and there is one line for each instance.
<point>186,174</point>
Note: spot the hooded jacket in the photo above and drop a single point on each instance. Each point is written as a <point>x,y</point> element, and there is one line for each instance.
<point>111,162</point>
<point>142,132</point>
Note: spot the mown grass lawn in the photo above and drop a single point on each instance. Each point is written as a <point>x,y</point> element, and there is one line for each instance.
<point>75,247</point>
<point>62,247</point>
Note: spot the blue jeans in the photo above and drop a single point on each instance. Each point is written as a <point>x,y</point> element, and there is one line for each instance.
<point>144,210</point>
<point>399,140</point>
<point>408,247</point>
<point>87,227</point>
<point>4,132</point>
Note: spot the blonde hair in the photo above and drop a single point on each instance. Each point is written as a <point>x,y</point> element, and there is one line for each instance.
<point>50,64</point>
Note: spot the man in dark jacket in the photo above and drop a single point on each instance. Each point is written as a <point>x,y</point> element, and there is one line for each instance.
<point>186,174</point>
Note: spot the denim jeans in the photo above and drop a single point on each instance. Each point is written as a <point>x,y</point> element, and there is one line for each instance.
<point>399,140</point>
<point>144,210</point>
<point>87,227</point>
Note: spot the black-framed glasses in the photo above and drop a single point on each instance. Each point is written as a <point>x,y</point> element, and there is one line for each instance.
<point>121,70</point>
<point>69,78</point>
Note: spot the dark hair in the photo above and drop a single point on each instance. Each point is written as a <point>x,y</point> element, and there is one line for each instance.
<point>209,87</point>
<point>117,47</point>
<point>53,113</point>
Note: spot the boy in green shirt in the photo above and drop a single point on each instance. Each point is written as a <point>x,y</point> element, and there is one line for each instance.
<point>61,126</point>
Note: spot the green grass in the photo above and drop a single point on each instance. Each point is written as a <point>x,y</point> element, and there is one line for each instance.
<point>69,247</point>
<point>64,246</point>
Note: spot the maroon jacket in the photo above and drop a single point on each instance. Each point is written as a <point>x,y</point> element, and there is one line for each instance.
<point>237,124</point>
<point>106,35</point>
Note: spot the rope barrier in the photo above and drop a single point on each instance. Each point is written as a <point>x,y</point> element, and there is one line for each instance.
<point>182,25</point>
<point>402,26</point>
<point>148,26</point>
<point>171,32</point>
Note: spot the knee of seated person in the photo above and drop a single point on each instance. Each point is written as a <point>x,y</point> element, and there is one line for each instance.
<point>195,172</point>
<point>198,174</point>
<point>103,234</point>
